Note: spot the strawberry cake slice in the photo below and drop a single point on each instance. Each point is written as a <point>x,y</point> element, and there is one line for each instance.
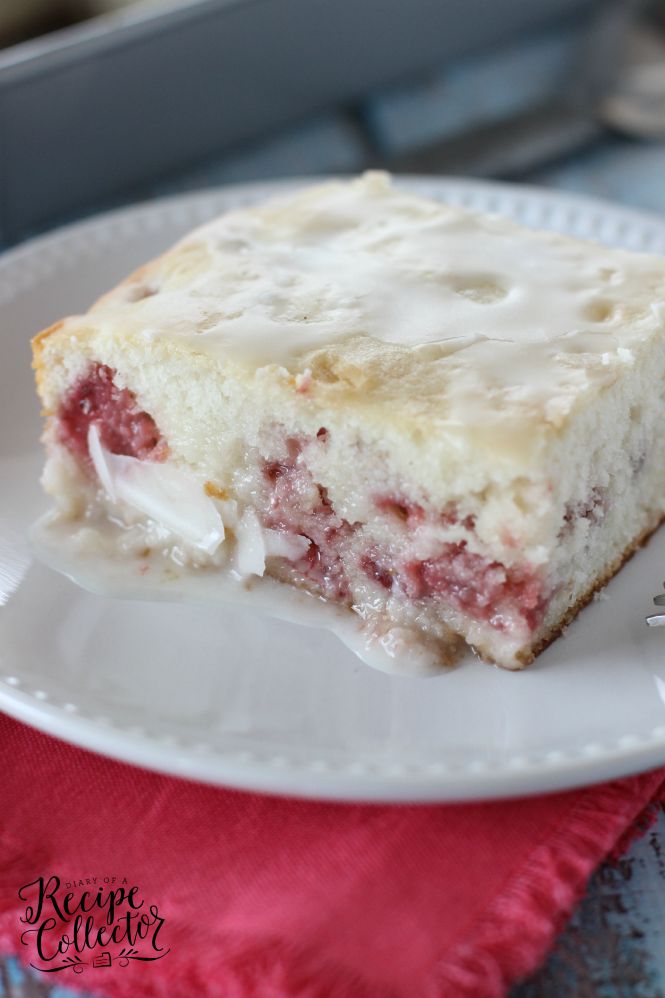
<point>443,421</point>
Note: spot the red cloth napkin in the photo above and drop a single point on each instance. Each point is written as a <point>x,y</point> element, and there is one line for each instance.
<point>270,897</point>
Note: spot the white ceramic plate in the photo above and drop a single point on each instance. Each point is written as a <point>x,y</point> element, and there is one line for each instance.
<point>236,698</point>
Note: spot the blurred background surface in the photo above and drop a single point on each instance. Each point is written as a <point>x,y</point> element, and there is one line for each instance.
<point>200,91</point>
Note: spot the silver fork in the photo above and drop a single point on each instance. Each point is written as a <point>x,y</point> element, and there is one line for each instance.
<point>657,619</point>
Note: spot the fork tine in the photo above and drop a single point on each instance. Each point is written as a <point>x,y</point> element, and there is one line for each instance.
<point>656,620</point>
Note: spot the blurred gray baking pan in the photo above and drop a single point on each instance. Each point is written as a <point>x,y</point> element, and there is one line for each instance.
<point>90,112</point>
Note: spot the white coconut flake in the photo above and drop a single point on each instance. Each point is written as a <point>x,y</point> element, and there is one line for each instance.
<point>100,463</point>
<point>250,546</point>
<point>228,509</point>
<point>170,496</point>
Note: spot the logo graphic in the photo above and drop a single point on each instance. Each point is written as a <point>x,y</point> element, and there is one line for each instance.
<point>91,922</point>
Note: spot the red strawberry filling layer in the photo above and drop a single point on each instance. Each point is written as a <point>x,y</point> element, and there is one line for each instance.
<point>292,502</point>
<point>485,590</point>
<point>296,504</point>
<point>124,427</point>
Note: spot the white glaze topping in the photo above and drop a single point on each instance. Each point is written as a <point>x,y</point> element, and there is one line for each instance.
<point>361,258</point>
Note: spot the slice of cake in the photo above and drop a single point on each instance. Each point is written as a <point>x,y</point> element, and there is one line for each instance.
<point>440,420</point>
